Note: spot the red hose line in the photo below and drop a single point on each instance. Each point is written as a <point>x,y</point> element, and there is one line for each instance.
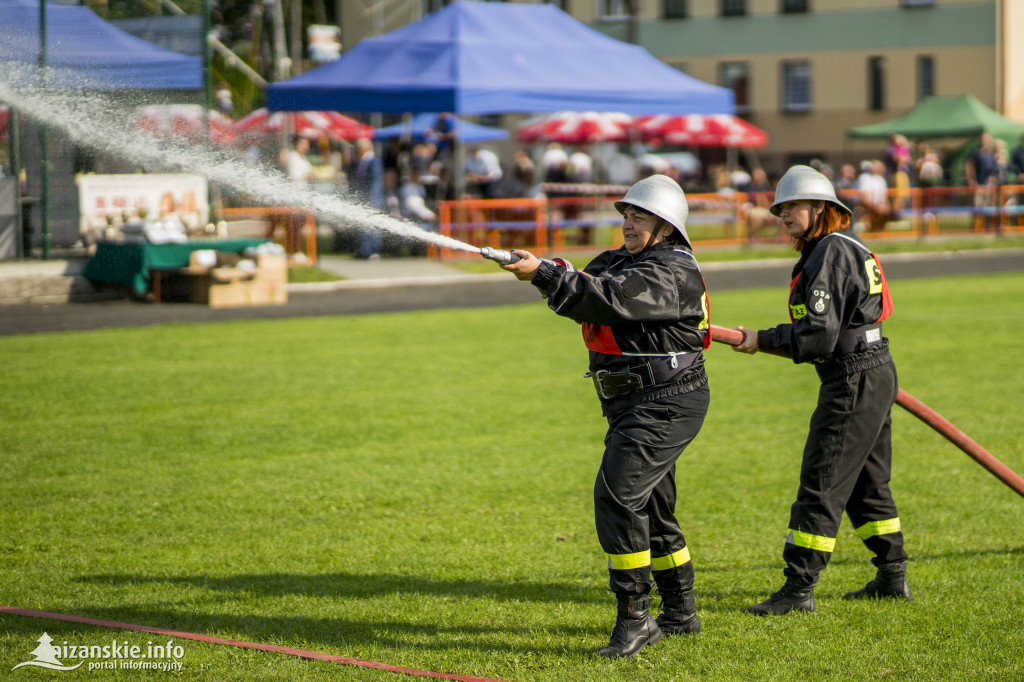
<point>925,414</point>
<point>961,440</point>
<point>301,653</point>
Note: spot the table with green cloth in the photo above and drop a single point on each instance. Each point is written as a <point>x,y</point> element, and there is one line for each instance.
<point>131,263</point>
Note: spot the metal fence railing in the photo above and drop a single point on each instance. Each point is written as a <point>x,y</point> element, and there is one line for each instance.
<point>590,221</point>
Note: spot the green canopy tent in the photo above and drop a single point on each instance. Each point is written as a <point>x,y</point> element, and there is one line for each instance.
<point>945,116</point>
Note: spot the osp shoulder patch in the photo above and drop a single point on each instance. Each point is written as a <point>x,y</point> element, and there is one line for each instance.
<point>819,302</point>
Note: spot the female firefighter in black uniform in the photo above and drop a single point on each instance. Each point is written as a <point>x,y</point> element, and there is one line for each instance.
<point>838,299</point>
<point>644,311</point>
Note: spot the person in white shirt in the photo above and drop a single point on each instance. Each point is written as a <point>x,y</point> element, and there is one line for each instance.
<point>874,194</point>
<point>483,173</point>
<point>412,197</point>
<point>298,167</point>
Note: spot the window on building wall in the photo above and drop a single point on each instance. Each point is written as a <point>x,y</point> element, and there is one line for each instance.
<point>916,3</point>
<point>560,4</point>
<point>736,77</point>
<point>876,83</point>
<point>925,76</point>
<point>733,8</point>
<point>674,9</point>
<point>795,6</point>
<point>431,6</point>
<point>612,9</point>
<point>796,86</point>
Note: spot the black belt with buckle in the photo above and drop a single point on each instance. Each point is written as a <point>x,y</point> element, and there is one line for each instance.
<point>616,384</point>
<point>635,378</point>
<point>858,339</point>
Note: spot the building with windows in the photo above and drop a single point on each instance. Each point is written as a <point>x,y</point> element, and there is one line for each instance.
<point>803,70</point>
<point>807,70</point>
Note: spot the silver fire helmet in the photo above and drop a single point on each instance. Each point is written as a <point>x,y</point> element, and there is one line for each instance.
<point>662,196</point>
<point>805,183</point>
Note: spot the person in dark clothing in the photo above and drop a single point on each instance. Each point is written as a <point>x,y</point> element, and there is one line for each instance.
<point>644,312</point>
<point>838,299</point>
<point>366,183</point>
<point>1017,163</point>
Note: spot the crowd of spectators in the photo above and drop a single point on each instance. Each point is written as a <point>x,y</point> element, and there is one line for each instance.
<point>410,178</point>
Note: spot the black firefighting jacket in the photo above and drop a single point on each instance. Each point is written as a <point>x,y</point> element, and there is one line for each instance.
<point>838,288</point>
<point>633,308</point>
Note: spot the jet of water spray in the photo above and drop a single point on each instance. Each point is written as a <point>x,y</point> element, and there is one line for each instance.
<point>107,125</point>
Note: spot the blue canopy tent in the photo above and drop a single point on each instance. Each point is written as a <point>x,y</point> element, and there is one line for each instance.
<point>83,51</point>
<point>484,58</point>
<point>422,124</point>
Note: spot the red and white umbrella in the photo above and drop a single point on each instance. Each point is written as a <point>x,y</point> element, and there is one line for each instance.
<point>701,130</point>
<point>309,124</point>
<point>577,127</point>
<point>184,120</point>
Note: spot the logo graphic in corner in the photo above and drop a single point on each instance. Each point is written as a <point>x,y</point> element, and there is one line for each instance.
<point>46,656</point>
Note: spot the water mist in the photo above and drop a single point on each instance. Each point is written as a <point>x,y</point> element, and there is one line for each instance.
<point>107,124</point>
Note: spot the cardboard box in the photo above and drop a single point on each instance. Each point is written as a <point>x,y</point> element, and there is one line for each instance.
<point>225,285</point>
<point>270,285</point>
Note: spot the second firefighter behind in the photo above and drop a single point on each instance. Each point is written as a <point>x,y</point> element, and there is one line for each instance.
<point>644,315</point>
<point>838,299</point>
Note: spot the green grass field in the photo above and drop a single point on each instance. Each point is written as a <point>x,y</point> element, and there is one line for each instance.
<point>416,489</point>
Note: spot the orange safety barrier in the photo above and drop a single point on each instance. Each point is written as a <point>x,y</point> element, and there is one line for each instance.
<point>292,227</point>
<point>582,221</point>
<point>590,221</point>
<point>1011,207</point>
<point>498,223</point>
<point>930,211</point>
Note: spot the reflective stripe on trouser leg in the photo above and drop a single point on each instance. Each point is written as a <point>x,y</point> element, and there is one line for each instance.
<point>807,554</point>
<point>630,573</point>
<point>626,562</point>
<point>674,572</point>
<point>821,543</point>
<point>883,527</point>
<point>632,505</point>
<point>851,417</point>
<point>885,539</point>
<point>664,563</point>
<point>804,563</point>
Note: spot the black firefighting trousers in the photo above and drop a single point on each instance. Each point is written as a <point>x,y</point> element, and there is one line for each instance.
<point>847,463</point>
<point>635,491</point>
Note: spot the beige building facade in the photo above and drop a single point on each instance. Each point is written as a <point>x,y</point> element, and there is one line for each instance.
<point>803,70</point>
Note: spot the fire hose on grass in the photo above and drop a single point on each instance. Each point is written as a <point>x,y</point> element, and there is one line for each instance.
<point>929,416</point>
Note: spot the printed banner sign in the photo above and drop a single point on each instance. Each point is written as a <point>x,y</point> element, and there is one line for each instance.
<point>113,200</point>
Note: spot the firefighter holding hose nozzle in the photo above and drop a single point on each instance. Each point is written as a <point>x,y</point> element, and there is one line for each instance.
<point>644,312</point>
<point>837,301</point>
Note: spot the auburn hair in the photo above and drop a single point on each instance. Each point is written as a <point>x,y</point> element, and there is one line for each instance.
<point>831,219</point>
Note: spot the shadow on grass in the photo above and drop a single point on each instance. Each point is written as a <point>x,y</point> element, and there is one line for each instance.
<point>354,637</point>
<point>371,585</point>
<point>391,628</point>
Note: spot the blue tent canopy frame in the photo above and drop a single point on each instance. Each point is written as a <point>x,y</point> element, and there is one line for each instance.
<point>85,52</point>
<point>422,124</point>
<point>474,58</point>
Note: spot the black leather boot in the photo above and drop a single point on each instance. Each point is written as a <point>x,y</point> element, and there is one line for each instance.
<point>795,595</point>
<point>678,612</point>
<point>890,581</point>
<point>635,628</point>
